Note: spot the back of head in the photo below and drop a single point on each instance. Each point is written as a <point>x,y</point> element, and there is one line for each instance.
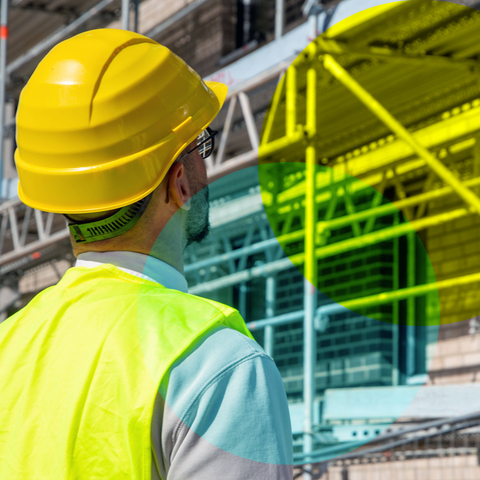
<point>102,119</point>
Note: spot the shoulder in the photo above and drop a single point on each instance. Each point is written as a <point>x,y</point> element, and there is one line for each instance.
<point>217,352</point>
<point>229,384</point>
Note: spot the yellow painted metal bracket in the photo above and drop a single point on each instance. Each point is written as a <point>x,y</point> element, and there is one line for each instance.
<point>279,145</point>
<point>332,66</point>
<point>272,113</point>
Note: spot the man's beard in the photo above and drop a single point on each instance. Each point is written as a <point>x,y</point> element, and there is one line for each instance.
<point>197,226</point>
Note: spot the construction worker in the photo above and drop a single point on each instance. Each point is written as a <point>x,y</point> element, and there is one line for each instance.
<point>117,372</point>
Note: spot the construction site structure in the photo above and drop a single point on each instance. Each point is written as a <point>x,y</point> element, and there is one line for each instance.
<point>353,163</point>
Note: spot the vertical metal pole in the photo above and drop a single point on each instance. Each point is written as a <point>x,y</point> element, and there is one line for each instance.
<point>247,21</point>
<point>312,27</point>
<point>242,300</point>
<point>395,311</point>
<point>270,312</point>
<point>9,172</point>
<point>310,272</point>
<point>135,15</point>
<point>410,329</point>
<point>126,14</point>
<point>291,100</point>
<point>476,162</point>
<point>3,78</point>
<point>272,112</point>
<point>279,18</point>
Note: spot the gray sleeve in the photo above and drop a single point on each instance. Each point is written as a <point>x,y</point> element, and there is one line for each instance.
<point>226,414</point>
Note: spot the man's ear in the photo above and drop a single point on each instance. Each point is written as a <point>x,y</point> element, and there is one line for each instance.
<point>178,186</point>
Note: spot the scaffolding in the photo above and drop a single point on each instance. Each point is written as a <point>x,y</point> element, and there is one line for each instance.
<point>331,110</point>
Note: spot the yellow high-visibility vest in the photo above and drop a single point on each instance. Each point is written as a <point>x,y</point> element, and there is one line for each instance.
<point>80,367</point>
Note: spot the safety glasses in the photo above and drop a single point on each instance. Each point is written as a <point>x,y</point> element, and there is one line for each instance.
<point>205,143</point>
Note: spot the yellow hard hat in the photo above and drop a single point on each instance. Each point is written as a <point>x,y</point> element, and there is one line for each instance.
<point>102,119</point>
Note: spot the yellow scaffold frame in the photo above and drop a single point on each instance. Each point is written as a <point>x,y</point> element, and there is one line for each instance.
<point>320,55</point>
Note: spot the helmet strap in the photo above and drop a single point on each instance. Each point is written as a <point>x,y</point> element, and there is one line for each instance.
<point>116,224</point>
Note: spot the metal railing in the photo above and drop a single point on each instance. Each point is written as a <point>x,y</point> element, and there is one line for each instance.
<point>422,450</point>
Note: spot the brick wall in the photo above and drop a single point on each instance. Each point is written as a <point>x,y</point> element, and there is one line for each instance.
<point>153,12</point>
<point>456,360</point>
<point>200,38</point>
<point>463,467</point>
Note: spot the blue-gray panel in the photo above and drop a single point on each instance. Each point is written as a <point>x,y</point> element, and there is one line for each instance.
<point>424,402</point>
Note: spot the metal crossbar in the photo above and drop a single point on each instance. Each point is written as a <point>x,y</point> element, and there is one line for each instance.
<point>398,437</point>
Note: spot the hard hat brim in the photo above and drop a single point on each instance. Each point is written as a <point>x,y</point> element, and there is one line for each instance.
<point>219,89</point>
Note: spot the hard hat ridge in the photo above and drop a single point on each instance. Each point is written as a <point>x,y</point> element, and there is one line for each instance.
<point>103,117</point>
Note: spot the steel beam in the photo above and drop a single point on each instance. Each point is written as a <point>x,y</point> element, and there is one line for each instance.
<point>291,101</point>
<point>56,37</point>
<point>329,250</point>
<point>270,294</point>
<point>365,302</point>
<point>249,120</point>
<point>259,80</point>
<point>226,130</point>
<point>279,18</point>
<point>337,47</point>
<point>417,433</point>
<point>271,114</point>
<point>386,117</point>
<point>312,24</point>
<point>279,145</point>
<point>33,247</point>
<point>126,14</point>
<point>283,319</point>
<point>385,234</point>
<point>3,80</point>
<point>393,207</point>
<point>244,160</point>
<point>411,329</point>
<point>310,272</point>
<point>402,294</point>
<point>396,373</point>
<point>136,8</point>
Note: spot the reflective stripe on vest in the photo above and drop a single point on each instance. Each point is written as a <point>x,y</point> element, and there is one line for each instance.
<point>80,367</point>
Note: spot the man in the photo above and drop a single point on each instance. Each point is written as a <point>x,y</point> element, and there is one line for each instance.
<point>116,372</point>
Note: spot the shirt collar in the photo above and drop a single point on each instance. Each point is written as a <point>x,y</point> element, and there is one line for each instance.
<point>138,264</point>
